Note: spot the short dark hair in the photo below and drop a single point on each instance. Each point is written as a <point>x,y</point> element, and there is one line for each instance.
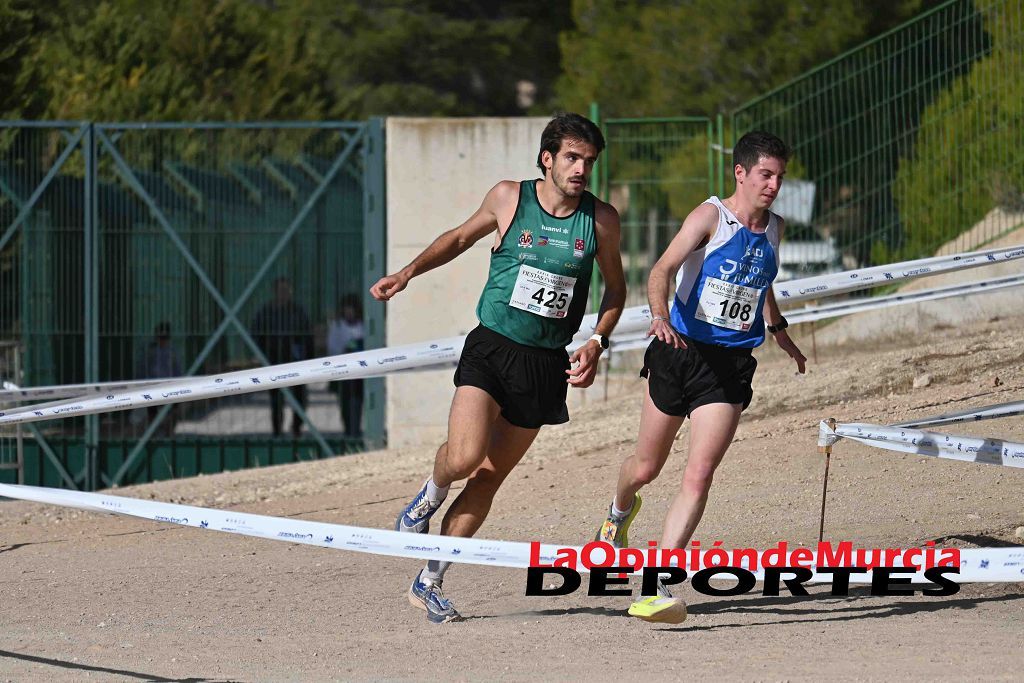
<point>352,300</point>
<point>756,144</point>
<point>566,125</point>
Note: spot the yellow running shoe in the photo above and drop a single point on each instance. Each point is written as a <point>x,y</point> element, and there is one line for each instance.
<point>659,610</point>
<point>615,530</point>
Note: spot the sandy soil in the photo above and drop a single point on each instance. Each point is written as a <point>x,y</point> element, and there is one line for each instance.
<point>110,598</point>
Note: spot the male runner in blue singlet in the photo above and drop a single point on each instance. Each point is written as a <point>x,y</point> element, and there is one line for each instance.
<point>700,365</point>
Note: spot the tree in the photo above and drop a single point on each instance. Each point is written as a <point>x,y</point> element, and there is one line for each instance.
<point>664,58</point>
<point>23,83</point>
<point>968,153</point>
<point>307,59</point>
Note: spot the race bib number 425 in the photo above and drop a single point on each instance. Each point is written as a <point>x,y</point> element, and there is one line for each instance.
<point>542,293</point>
<point>728,305</point>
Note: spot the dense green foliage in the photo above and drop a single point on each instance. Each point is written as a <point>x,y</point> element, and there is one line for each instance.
<point>662,58</point>
<point>968,156</point>
<point>346,59</point>
<point>303,59</point>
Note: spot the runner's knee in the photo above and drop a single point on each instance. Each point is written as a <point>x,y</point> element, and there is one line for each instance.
<point>460,461</point>
<point>646,470</point>
<point>697,479</point>
<point>486,480</point>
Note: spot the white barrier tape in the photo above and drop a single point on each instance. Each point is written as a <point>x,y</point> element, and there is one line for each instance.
<point>631,340</point>
<point>162,386</point>
<point>809,314</point>
<point>628,336</point>
<point>970,415</point>
<point>348,366</point>
<point>976,564</point>
<point>11,392</point>
<point>427,353</point>
<point>633,321</point>
<point>864,278</point>
<point>933,444</point>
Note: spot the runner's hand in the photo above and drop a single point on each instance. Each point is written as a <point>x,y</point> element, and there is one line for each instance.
<point>388,286</point>
<point>787,345</point>
<point>583,375</point>
<point>666,333</point>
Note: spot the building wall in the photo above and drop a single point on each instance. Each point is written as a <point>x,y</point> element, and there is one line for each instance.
<point>438,171</point>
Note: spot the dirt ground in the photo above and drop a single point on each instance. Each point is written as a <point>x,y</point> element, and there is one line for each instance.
<point>90,596</point>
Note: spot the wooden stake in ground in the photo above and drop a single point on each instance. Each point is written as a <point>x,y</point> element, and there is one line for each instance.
<point>827,450</point>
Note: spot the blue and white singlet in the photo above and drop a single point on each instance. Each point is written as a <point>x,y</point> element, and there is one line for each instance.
<point>721,287</point>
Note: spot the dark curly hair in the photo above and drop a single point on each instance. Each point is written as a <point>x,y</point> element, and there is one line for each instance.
<point>568,126</point>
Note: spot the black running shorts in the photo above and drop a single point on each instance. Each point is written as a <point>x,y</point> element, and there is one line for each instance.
<point>529,383</point>
<point>681,380</point>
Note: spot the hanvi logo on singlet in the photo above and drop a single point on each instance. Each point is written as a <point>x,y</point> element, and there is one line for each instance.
<point>578,248</point>
<point>526,238</point>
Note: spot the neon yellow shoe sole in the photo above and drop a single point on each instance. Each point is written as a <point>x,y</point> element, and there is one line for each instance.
<point>618,533</point>
<point>659,610</point>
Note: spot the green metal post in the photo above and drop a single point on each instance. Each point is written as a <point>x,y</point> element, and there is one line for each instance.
<point>374,267</point>
<point>721,155</point>
<point>90,303</point>
<point>599,188</point>
<point>711,158</point>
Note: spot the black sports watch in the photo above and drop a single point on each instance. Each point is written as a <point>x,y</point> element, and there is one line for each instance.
<point>602,340</point>
<point>779,326</point>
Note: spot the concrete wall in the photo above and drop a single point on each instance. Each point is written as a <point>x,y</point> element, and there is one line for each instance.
<point>438,171</point>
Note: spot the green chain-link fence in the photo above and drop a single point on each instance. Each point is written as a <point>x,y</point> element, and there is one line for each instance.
<point>652,170</point>
<point>913,140</point>
<point>141,251</point>
<point>907,145</point>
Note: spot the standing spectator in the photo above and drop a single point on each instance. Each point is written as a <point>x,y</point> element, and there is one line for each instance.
<point>160,360</point>
<point>345,335</point>
<point>284,333</point>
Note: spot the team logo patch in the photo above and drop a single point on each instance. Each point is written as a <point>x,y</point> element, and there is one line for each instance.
<point>580,244</point>
<point>526,238</point>
<point>542,241</point>
<point>578,250</point>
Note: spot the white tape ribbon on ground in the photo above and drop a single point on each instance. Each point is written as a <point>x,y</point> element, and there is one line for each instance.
<point>921,442</point>
<point>976,564</point>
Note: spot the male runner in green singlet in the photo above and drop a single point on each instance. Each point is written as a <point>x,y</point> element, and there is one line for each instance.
<point>514,371</point>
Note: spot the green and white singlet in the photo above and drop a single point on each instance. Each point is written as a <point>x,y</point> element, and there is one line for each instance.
<point>536,291</point>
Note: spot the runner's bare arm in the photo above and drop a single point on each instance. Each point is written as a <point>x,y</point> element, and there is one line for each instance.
<point>773,316</point>
<point>609,262</point>
<point>452,242</point>
<point>696,230</point>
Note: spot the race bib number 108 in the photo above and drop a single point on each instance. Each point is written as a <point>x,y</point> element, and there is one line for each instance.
<point>542,293</point>
<point>728,305</point>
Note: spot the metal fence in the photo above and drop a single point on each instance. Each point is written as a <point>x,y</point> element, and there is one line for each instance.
<point>909,145</point>
<point>140,251</point>
<point>912,140</point>
<point>12,439</point>
<point>652,170</point>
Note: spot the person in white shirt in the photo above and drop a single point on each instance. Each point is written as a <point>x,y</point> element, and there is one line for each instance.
<point>345,334</point>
